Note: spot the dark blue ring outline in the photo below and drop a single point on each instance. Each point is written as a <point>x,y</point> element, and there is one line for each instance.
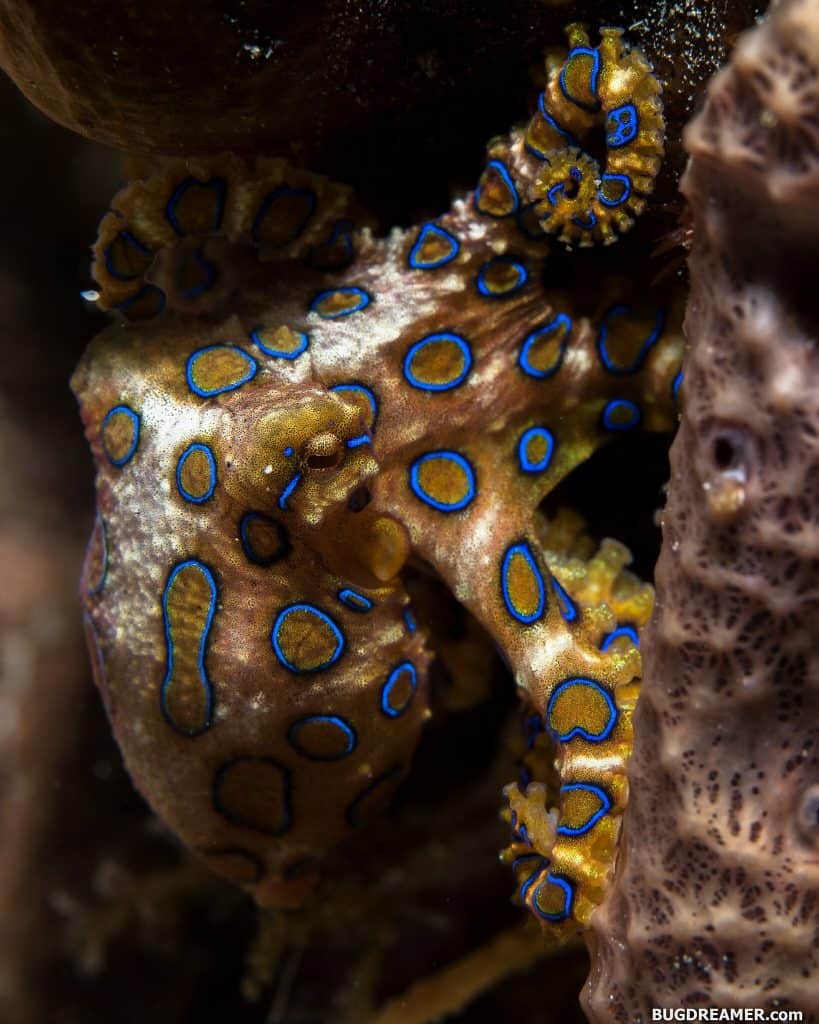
<point>235,851</point>
<point>613,140</point>
<point>97,588</point>
<point>532,726</point>
<point>645,348</point>
<point>595,55</point>
<point>535,876</point>
<point>587,826</point>
<point>277,353</point>
<point>612,406</point>
<point>556,323</point>
<point>624,630</point>
<point>543,464</point>
<point>217,184</point>
<point>549,119</point>
<point>234,819</point>
<point>211,273</point>
<point>528,856</point>
<point>196,447</point>
<point>578,730</point>
<point>675,386</point>
<point>136,423</point>
<point>346,728</point>
<point>351,815</point>
<point>284,497</point>
<point>483,288</point>
<point>267,202</point>
<point>130,239</point>
<point>568,609</point>
<point>568,890</point>
<point>303,606</point>
<point>354,601</point>
<point>285,546</point>
<point>586,225</point>
<point>433,229</point>
<point>253,368</point>
<point>624,179</point>
<point>388,686</point>
<point>522,548</point>
<point>559,187</point>
<point>459,460</point>
<point>463,346</point>
<point>143,291</point>
<point>500,167</point>
<point>203,640</point>
<point>341,228</point>
<point>409,620</point>
<point>369,394</point>
<point>364,299</point>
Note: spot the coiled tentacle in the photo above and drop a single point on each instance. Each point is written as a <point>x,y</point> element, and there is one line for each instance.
<point>608,88</point>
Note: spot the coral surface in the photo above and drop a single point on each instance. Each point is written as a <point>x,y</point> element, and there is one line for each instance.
<point>716,897</point>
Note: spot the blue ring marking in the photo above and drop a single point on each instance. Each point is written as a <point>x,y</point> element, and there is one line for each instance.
<point>448,456</point>
<point>624,130</point>
<point>522,548</point>
<point>352,815</point>
<point>287,452</point>
<point>129,239</point>
<point>268,201</point>
<point>216,184</point>
<point>675,386</point>
<point>485,290</point>
<point>626,630</point>
<point>552,123</point>
<point>346,728</point>
<point>356,442</point>
<point>537,871</point>
<point>387,688</point>
<point>212,465</point>
<point>560,321</point>
<point>365,438</point>
<point>135,421</point>
<point>145,290</point>
<point>586,225</point>
<point>247,547</point>
<point>645,348</point>
<point>342,229</point>
<point>568,609</point>
<point>277,353</point>
<point>211,274</point>
<point>605,807</point>
<point>595,55</point>
<point>532,434</point>
<point>433,229</point>
<point>252,368</point>
<point>409,620</point>
<point>500,167</point>
<point>203,639</point>
<point>226,813</point>
<point>568,892</point>
<point>285,495</point>
<point>357,602</point>
<point>523,858</point>
<point>624,180</point>
<point>97,588</point>
<point>612,407</point>
<point>533,726</point>
<point>363,301</point>
<point>578,730</point>
<point>303,606</point>
<point>559,187</point>
<point>430,339</point>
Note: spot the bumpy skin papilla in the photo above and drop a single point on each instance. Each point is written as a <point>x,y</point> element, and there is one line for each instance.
<point>266,468</point>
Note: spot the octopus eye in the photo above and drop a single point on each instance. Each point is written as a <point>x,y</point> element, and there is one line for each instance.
<point>322,452</point>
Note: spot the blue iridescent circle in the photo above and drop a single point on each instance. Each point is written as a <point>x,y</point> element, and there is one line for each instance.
<point>587,826</point>
<point>392,679</point>
<point>516,265</point>
<point>135,422</point>
<point>216,185</point>
<point>525,552</point>
<point>534,434</point>
<point>252,368</point>
<point>344,727</point>
<point>304,341</point>
<point>434,230</point>
<point>303,606</point>
<point>568,893</point>
<point>355,601</point>
<point>613,407</point>
<point>645,348</point>
<point>211,465</point>
<point>506,177</point>
<point>621,126</point>
<point>426,498</point>
<point>578,730</point>
<point>626,630</point>
<point>362,301</point>
<point>524,361</point>
<point>431,339</point>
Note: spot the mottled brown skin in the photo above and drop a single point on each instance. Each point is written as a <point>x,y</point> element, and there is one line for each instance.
<point>716,896</point>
